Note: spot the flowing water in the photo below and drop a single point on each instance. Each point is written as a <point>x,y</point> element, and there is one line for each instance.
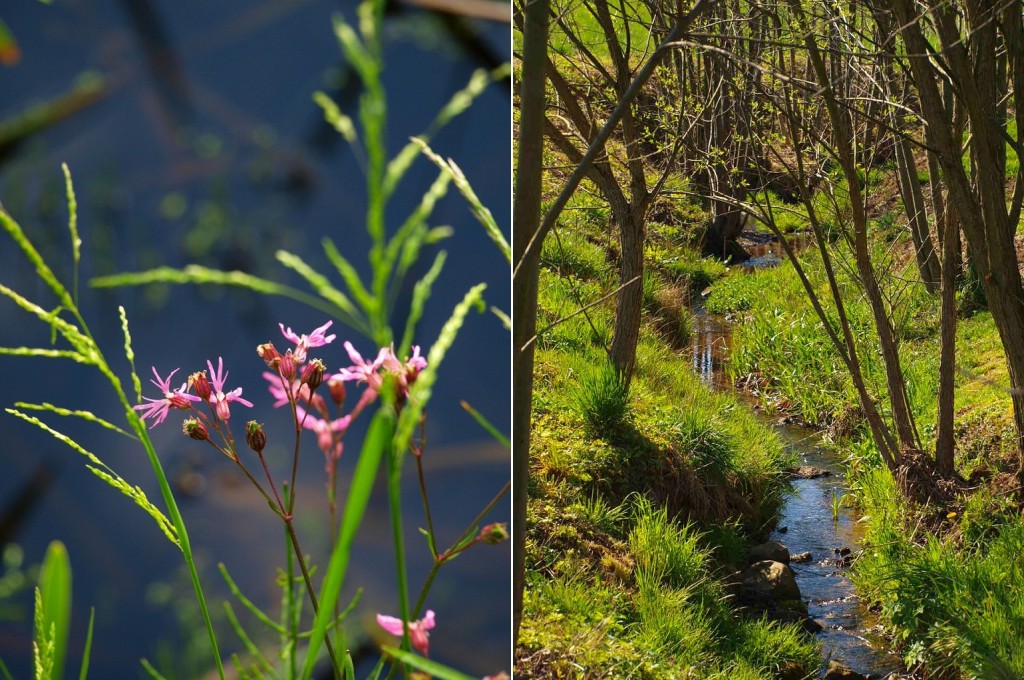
<point>806,523</point>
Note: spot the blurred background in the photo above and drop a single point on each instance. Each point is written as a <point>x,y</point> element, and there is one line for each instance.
<point>192,137</point>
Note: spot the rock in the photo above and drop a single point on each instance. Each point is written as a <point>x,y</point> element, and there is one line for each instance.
<point>844,551</point>
<point>808,472</point>
<point>773,578</point>
<point>801,557</point>
<point>782,530</point>
<point>791,670</point>
<point>771,550</point>
<point>837,671</point>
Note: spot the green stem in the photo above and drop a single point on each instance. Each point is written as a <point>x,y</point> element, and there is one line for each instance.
<point>338,672</point>
<point>395,501</point>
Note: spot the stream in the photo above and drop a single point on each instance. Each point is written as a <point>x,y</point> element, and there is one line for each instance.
<point>806,524</point>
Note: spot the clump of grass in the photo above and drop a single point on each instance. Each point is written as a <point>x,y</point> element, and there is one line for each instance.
<point>662,548</point>
<point>603,399</point>
<point>568,252</point>
<point>734,294</point>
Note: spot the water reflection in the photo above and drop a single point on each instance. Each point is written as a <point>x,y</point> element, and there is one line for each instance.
<point>223,164</point>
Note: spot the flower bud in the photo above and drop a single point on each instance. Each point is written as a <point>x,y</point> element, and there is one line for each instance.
<point>337,389</point>
<point>313,374</point>
<point>286,366</point>
<point>269,354</point>
<point>179,402</point>
<point>199,383</point>
<point>494,533</point>
<point>254,436</point>
<point>195,429</point>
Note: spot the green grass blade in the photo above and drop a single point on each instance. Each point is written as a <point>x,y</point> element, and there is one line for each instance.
<point>351,276</point>
<point>377,442</point>
<point>153,673</point>
<point>414,223</point>
<point>338,120</point>
<point>459,102</point>
<point>44,353</point>
<point>484,423</point>
<point>420,293</point>
<point>247,603</point>
<point>82,344</point>
<point>354,50</point>
<point>199,275</point>
<point>482,214</point>
<point>6,673</point>
<point>55,600</point>
<point>419,393</point>
<point>76,242</point>
<point>83,672</point>
<point>84,415</point>
<point>129,353</point>
<point>350,315</point>
<point>433,668</point>
<point>250,646</point>
<point>42,269</point>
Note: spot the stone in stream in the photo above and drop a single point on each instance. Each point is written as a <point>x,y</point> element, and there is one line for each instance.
<point>801,557</point>
<point>837,671</point>
<point>771,550</point>
<point>772,578</point>
<point>808,472</point>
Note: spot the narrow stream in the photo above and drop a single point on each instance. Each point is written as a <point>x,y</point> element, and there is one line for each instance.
<point>806,524</point>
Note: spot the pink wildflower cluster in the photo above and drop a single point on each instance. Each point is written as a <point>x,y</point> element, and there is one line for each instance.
<point>215,395</point>
<point>294,381</point>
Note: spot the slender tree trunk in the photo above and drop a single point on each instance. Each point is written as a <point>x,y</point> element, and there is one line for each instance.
<point>914,206</point>
<point>944,443</point>
<point>630,299</point>
<point>525,222</point>
<point>843,136</point>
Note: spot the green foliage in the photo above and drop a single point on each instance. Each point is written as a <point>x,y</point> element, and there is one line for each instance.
<point>664,551</point>
<point>603,399</point>
<point>572,253</point>
<point>736,293</point>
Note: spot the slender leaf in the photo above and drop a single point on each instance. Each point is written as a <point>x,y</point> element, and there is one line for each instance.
<point>338,120</point>
<point>199,275</point>
<point>351,276</point>
<point>55,601</point>
<point>44,353</point>
<point>42,269</point>
<point>129,353</point>
<point>250,646</point>
<point>154,673</point>
<point>482,214</point>
<point>76,242</point>
<point>439,671</point>
<point>247,603</point>
<point>484,423</point>
<point>419,393</point>
<point>349,314</point>
<point>83,672</point>
<point>420,293</point>
<point>84,415</point>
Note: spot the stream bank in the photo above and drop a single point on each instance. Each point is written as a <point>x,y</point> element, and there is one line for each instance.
<point>813,518</point>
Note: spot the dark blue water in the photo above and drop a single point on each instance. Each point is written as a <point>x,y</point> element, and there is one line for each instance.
<point>207,148</point>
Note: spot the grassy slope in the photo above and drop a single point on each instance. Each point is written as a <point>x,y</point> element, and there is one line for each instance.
<point>954,597</point>
<point>638,506</point>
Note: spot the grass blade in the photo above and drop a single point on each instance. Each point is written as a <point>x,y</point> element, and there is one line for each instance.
<point>433,668</point>
<point>87,650</point>
<point>420,293</point>
<point>55,603</point>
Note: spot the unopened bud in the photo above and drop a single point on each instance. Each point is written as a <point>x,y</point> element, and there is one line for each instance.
<point>199,383</point>
<point>337,389</point>
<point>494,533</point>
<point>269,354</point>
<point>286,366</point>
<point>179,402</point>
<point>195,429</point>
<point>254,436</point>
<point>313,374</point>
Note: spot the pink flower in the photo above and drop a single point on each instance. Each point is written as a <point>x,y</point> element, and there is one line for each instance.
<point>328,432</point>
<point>218,399</point>
<point>386,361</point>
<point>299,390</point>
<point>417,629</point>
<point>157,408</point>
<point>306,342</point>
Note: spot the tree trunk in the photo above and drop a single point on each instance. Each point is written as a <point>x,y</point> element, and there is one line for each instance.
<point>944,443</point>
<point>526,218</point>
<point>913,204</point>
<point>630,299</point>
